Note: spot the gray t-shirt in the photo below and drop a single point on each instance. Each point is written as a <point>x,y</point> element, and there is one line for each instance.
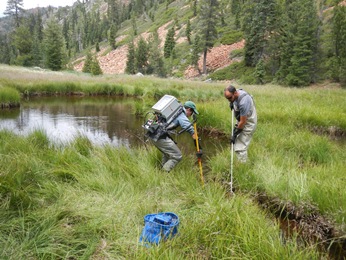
<point>245,104</point>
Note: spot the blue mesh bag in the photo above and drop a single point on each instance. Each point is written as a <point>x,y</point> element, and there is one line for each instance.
<point>158,227</point>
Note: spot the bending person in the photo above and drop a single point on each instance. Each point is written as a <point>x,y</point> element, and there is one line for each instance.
<point>245,113</point>
<point>171,154</point>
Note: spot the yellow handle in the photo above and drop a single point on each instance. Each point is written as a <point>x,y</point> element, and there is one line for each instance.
<point>199,159</point>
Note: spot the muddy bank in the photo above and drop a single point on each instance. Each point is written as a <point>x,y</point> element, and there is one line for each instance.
<point>212,132</point>
<point>9,105</point>
<point>308,223</point>
<point>334,132</point>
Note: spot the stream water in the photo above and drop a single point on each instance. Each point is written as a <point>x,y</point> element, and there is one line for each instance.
<point>103,120</point>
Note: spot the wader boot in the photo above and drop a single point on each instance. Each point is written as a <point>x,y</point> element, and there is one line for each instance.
<point>243,140</point>
<point>171,153</point>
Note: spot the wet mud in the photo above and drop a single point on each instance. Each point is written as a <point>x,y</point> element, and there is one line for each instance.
<point>212,132</point>
<point>9,105</point>
<point>333,132</point>
<point>307,223</point>
<point>304,222</point>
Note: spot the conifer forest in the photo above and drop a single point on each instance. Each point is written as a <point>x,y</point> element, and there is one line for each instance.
<point>288,42</point>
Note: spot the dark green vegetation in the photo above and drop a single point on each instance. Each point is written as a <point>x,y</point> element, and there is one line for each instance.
<point>295,42</point>
<point>9,97</point>
<point>85,202</point>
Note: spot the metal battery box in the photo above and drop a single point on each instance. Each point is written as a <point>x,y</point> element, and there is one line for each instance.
<point>167,106</point>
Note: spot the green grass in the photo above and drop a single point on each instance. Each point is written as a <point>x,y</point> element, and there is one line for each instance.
<point>87,202</point>
<point>9,97</point>
<point>288,159</point>
<point>236,70</point>
<point>82,201</point>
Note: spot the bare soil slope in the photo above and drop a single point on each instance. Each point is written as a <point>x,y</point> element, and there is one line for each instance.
<point>114,62</point>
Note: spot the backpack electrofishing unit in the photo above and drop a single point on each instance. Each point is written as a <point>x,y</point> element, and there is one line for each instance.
<point>164,112</point>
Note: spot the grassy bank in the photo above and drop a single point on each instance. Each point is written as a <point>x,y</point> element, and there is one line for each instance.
<point>32,82</point>
<point>83,201</point>
<point>288,158</point>
<point>9,97</point>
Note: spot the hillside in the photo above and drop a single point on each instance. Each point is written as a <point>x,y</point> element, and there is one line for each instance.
<point>298,172</point>
<point>114,62</point>
<point>315,51</point>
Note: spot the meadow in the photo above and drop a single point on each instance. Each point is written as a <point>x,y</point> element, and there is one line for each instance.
<point>85,202</point>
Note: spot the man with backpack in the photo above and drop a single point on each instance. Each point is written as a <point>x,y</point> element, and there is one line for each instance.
<point>171,154</point>
<point>245,113</point>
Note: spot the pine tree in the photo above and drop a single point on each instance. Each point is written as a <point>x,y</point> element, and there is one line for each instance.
<point>54,46</point>
<point>235,11</point>
<point>87,63</point>
<point>142,56</point>
<point>259,23</point>
<point>112,35</point>
<point>23,43</point>
<point>299,43</point>
<point>22,39</point>
<point>131,57</point>
<point>134,24</point>
<point>156,63</point>
<point>195,52</point>
<point>98,25</point>
<point>5,50</point>
<point>95,67</point>
<point>260,72</point>
<point>194,7</point>
<point>207,22</point>
<point>114,11</point>
<point>169,43</point>
<point>14,8</point>
<point>339,40</point>
<point>97,47</point>
<point>188,31</point>
<point>36,48</point>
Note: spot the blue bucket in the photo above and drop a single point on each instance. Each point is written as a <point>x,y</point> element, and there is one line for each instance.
<point>160,226</point>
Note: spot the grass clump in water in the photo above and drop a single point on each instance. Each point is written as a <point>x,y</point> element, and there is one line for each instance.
<point>9,97</point>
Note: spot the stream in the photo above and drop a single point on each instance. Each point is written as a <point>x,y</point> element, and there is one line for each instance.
<point>103,120</point>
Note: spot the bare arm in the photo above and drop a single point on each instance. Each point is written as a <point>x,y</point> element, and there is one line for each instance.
<point>242,122</point>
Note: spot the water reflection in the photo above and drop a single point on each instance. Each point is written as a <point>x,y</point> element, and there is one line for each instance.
<point>103,120</point>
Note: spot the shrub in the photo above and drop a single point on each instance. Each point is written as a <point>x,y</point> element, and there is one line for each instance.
<point>231,37</point>
<point>238,53</point>
<point>236,70</point>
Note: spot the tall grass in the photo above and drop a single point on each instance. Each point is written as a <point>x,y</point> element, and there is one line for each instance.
<point>29,82</point>
<point>86,202</point>
<point>9,97</point>
<point>82,201</point>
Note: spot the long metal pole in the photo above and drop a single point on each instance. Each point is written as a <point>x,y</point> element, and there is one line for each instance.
<point>232,148</point>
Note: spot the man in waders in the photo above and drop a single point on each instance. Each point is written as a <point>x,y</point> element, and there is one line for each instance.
<point>245,113</point>
<point>171,154</point>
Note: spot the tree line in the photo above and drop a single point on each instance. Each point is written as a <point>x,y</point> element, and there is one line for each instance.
<point>293,42</point>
